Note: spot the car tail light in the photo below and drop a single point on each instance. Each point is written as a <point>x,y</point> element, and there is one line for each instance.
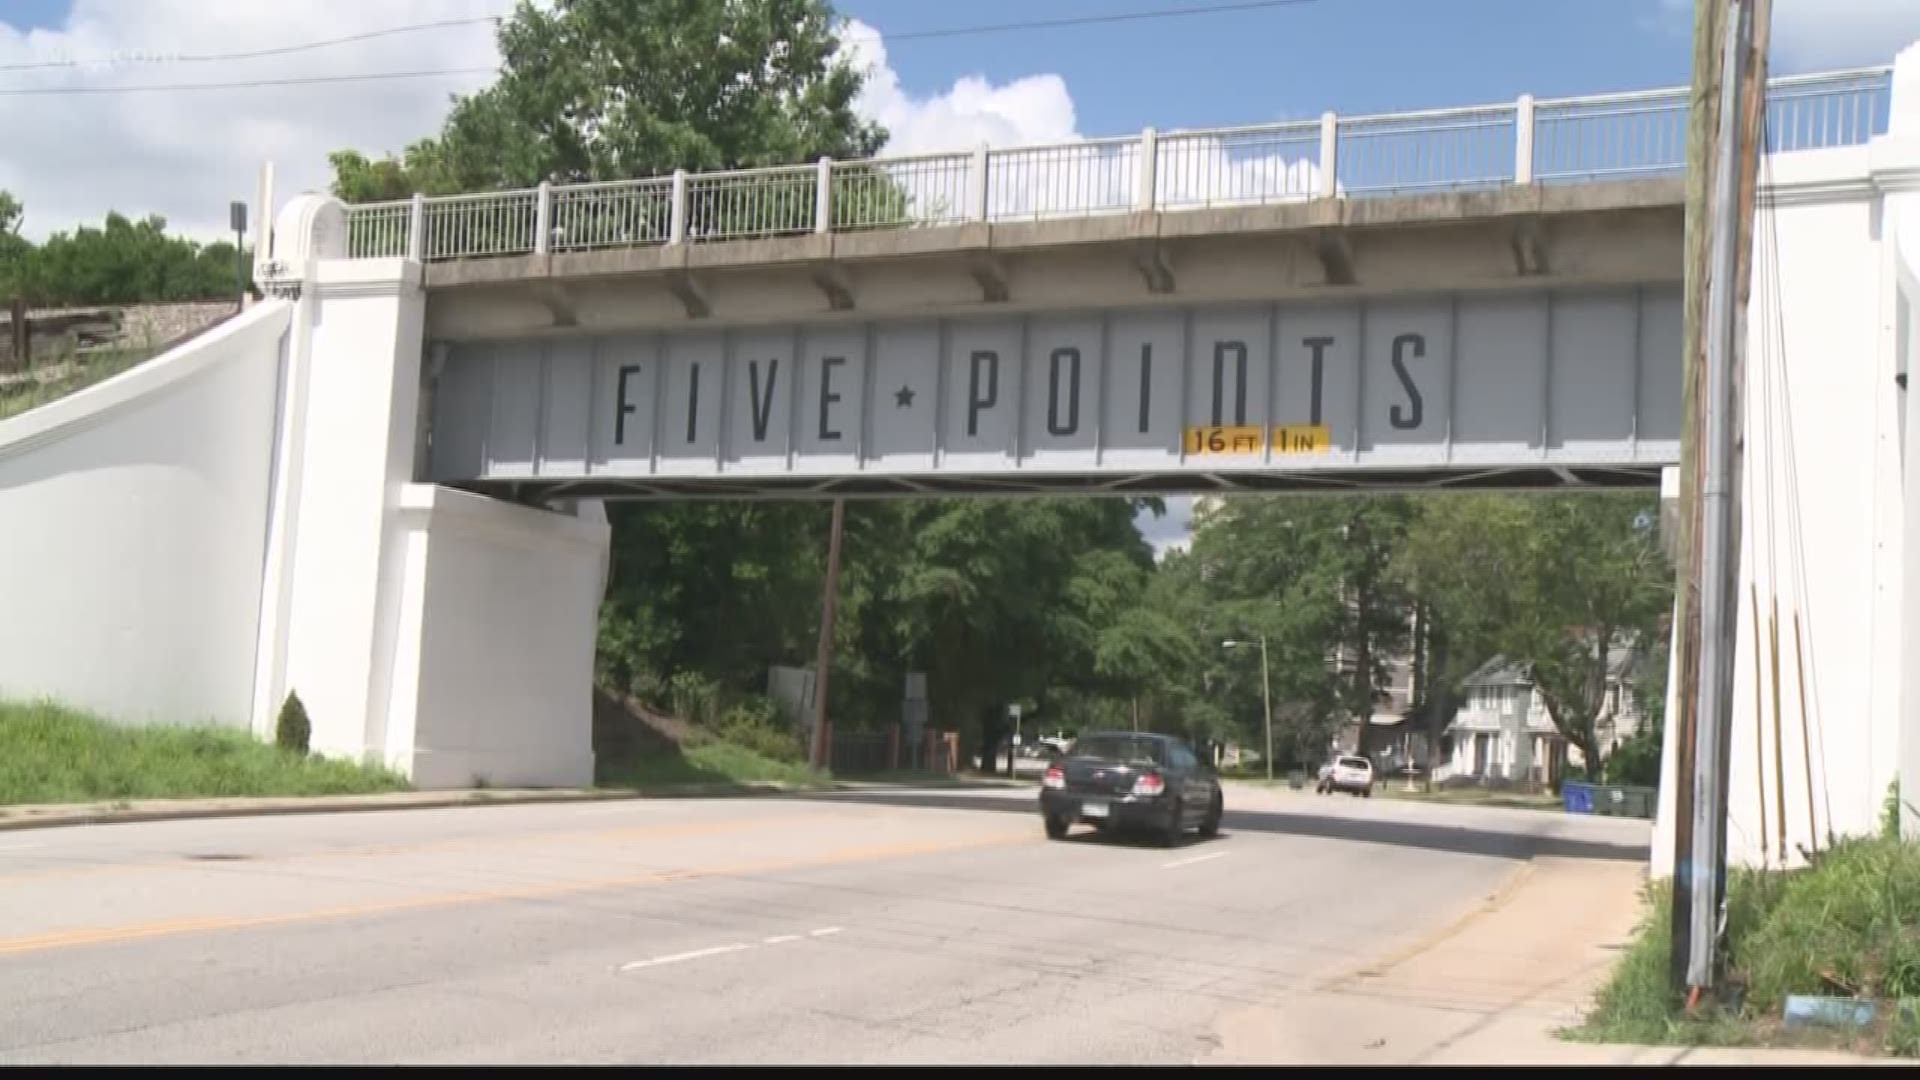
<point>1055,778</point>
<point>1149,784</point>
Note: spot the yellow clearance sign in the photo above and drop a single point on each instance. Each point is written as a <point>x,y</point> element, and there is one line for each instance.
<point>1289,439</point>
<point>1224,440</point>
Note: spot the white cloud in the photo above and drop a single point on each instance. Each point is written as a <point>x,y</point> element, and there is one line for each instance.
<point>1065,172</point>
<point>1171,532</point>
<point>1811,35</point>
<point>72,157</point>
<point>1033,109</point>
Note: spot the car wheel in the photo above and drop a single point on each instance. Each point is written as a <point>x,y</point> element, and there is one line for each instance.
<point>1211,826</point>
<point>1367,794</point>
<point>1057,828</point>
<point>1173,831</point>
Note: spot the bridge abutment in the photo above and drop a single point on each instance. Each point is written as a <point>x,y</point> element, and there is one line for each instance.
<point>443,634</point>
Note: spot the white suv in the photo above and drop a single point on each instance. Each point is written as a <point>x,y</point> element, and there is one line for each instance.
<point>1349,773</point>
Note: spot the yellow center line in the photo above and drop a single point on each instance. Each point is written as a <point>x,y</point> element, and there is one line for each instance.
<point>103,935</point>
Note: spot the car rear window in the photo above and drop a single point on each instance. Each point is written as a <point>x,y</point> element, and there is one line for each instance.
<point>1355,763</point>
<point>1121,748</point>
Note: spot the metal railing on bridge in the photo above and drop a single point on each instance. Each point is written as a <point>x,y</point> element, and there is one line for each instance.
<point>1548,141</point>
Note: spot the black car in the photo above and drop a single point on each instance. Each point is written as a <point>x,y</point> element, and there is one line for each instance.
<point>1128,780</point>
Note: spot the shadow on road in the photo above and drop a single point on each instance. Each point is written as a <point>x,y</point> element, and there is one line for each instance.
<point>1461,839</point>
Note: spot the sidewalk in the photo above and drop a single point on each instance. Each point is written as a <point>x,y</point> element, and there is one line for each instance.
<point>1490,989</point>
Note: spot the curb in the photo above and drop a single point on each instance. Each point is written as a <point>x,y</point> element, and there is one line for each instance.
<point>97,816</point>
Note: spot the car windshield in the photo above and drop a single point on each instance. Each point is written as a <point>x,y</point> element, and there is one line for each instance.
<point>1354,763</point>
<point>1121,748</point>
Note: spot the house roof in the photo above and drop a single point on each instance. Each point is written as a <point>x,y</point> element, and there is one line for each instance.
<point>1623,661</point>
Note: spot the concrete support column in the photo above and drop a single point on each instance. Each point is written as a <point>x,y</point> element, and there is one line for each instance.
<point>1901,174</point>
<point>346,452</point>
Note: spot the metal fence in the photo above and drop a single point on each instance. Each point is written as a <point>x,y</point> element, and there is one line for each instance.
<point>1561,140</point>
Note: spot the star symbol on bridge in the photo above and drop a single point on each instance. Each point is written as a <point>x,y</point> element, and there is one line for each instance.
<point>903,398</point>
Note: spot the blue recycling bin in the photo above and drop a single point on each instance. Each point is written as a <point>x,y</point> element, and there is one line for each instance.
<point>1576,797</point>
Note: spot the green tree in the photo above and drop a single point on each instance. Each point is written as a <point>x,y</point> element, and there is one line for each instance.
<point>1562,583</point>
<point>614,89</point>
<point>121,262</point>
<point>1312,574</point>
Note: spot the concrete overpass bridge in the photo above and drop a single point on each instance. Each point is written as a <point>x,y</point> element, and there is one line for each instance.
<point>383,486</point>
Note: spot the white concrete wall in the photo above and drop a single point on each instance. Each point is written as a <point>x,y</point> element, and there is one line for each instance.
<point>133,524</point>
<point>1899,176</point>
<point>443,634</point>
<point>494,655</point>
<point>1822,527</point>
<point>351,453</point>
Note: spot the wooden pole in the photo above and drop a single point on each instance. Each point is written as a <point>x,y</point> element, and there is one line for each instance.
<point>22,334</point>
<point>1702,114</point>
<point>1779,753</point>
<point>823,657</point>
<point>1806,737</point>
<point>1759,728</point>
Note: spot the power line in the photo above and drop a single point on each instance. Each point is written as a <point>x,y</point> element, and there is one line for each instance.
<point>1090,20</point>
<point>157,57</point>
<point>249,85</point>
<point>253,84</point>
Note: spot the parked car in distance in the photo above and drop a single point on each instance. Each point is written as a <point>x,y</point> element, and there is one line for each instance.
<point>1349,773</point>
<point>1125,780</point>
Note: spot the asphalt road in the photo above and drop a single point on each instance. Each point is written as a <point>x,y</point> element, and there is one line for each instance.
<point>862,927</point>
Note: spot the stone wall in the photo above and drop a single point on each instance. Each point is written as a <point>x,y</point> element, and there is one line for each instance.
<point>58,332</point>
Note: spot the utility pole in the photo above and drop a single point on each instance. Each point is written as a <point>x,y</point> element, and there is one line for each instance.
<point>823,657</point>
<point>1719,213</point>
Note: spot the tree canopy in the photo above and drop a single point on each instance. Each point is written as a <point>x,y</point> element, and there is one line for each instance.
<point>614,89</point>
<point>121,262</point>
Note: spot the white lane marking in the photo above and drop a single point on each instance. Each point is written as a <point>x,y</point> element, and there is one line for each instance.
<point>1196,859</point>
<point>696,954</point>
<point>781,939</point>
<point>22,846</point>
<point>824,931</point>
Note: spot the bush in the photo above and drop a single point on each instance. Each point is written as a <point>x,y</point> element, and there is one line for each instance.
<point>1636,761</point>
<point>1849,925</point>
<point>293,731</point>
<point>694,698</point>
<point>754,724</point>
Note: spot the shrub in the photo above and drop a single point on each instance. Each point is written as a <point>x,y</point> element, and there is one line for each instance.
<point>755,725</point>
<point>694,698</point>
<point>293,731</point>
<point>1850,925</point>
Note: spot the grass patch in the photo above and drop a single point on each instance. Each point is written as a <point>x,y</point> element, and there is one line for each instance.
<point>1849,926</point>
<point>49,754</point>
<point>709,761</point>
<point>51,380</point>
<point>1470,796</point>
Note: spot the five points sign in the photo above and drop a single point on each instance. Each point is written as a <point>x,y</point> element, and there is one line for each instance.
<point>1537,378</point>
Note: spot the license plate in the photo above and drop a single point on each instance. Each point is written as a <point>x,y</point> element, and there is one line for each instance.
<point>1093,809</point>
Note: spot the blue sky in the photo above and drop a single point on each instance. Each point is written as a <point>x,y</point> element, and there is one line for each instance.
<point>1294,61</point>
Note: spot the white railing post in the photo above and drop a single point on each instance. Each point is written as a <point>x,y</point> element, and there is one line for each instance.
<point>542,217</point>
<point>1329,155</point>
<point>677,221</point>
<point>1523,140</point>
<point>977,184</point>
<point>823,196</point>
<point>1147,197</point>
<point>417,228</point>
